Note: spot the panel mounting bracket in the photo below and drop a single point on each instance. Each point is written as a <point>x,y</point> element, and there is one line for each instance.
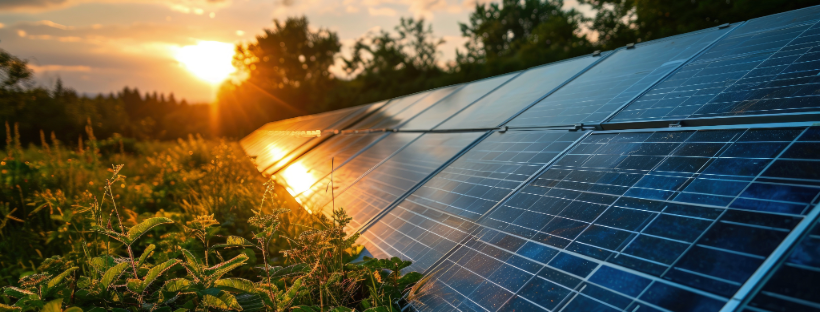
<point>596,53</point>
<point>676,124</point>
<point>724,26</point>
<point>576,127</point>
<point>630,46</point>
<point>503,129</point>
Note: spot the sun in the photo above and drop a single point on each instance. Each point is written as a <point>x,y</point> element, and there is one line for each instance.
<point>207,60</point>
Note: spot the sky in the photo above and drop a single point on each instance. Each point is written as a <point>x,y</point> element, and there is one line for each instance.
<point>101,46</point>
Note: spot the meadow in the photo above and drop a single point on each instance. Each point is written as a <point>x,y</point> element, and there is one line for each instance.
<point>120,224</point>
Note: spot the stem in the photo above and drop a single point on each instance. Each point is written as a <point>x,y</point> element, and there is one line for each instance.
<point>267,271</point>
<point>133,266</point>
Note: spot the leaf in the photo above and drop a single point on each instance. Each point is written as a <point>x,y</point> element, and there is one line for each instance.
<point>378,309</point>
<point>59,278</point>
<point>101,264</point>
<point>113,274</point>
<point>223,301</point>
<point>176,285</point>
<point>279,272</point>
<point>73,309</point>
<point>239,285</point>
<point>8,308</point>
<point>146,254</point>
<point>234,241</point>
<point>342,309</point>
<point>192,265</point>
<point>215,272</point>
<point>250,302</point>
<point>134,285</point>
<point>16,292</point>
<point>158,270</point>
<point>117,236</point>
<point>138,230</point>
<point>304,308</point>
<point>53,306</point>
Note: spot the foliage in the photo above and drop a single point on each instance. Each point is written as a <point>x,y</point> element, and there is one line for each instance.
<point>214,245</point>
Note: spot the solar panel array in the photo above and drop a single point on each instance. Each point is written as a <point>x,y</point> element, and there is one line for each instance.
<point>678,174</point>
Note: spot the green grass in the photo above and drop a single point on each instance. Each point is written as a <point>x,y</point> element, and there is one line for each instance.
<point>122,224</point>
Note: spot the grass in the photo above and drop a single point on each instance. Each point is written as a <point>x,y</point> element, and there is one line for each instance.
<point>119,224</point>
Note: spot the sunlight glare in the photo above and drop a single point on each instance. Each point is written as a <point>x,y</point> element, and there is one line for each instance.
<point>298,178</point>
<point>208,60</point>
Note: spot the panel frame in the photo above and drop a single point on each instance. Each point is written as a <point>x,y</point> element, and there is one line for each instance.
<point>775,260</point>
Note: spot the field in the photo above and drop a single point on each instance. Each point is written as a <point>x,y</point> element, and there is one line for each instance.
<point>144,225</point>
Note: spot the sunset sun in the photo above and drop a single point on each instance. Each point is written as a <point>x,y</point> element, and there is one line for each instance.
<point>207,60</point>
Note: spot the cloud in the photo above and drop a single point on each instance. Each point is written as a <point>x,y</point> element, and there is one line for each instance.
<point>351,9</point>
<point>61,68</point>
<point>14,5</point>
<point>381,11</point>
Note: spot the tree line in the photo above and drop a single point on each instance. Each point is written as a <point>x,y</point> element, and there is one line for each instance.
<point>286,69</point>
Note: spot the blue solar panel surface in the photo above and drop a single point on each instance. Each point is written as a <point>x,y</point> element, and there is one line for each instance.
<point>755,71</point>
<point>454,103</point>
<point>616,80</point>
<point>631,219</point>
<point>391,179</point>
<point>719,211</point>
<point>438,215</point>
<point>517,94</point>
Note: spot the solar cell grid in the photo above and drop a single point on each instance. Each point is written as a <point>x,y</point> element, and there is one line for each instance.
<point>316,196</point>
<point>455,102</point>
<point>439,214</point>
<point>393,178</point>
<point>625,222</point>
<point>517,94</point>
<point>616,80</point>
<point>793,286</point>
<point>756,71</point>
<point>315,164</point>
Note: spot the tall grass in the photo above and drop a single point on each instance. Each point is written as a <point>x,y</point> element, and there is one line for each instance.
<point>119,224</point>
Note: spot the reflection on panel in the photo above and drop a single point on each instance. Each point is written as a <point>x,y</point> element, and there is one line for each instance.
<point>512,97</point>
<point>315,164</point>
<point>399,110</point>
<point>318,194</point>
<point>438,215</point>
<point>390,180</point>
<point>273,143</point>
<point>615,81</point>
<point>636,221</point>
<point>455,102</point>
<point>794,287</point>
<point>755,71</point>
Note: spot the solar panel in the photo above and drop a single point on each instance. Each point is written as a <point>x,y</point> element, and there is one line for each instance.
<point>530,86</point>
<point>317,195</point>
<point>793,286</point>
<point>393,178</point>
<point>455,102</point>
<point>275,143</point>
<point>768,66</point>
<point>616,80</point>
<point>400,110</point>
<point>315,164</point>
<point>676,207</point>
<point>438,215</point>
<point>634,221</point>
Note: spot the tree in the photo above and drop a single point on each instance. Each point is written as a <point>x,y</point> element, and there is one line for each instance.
<point>286,72</point>
<point>514,35</point>
<point>14,72</point>
<point>619,22</point>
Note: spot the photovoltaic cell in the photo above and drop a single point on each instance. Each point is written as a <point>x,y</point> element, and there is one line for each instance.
<point>794,287</point>
<point>514,96</point>
<point>635,221</point>
<point>399,111</point>
<point>393,178</point>
<point>761,69</point>
<point>318,194</point>
<point>315,164</point>
<point>616,80</point>
<point>440,214</point>
<point>275,142</point>
<point>454,103</point>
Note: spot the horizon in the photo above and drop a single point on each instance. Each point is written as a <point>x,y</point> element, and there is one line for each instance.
<point>101,46</point>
